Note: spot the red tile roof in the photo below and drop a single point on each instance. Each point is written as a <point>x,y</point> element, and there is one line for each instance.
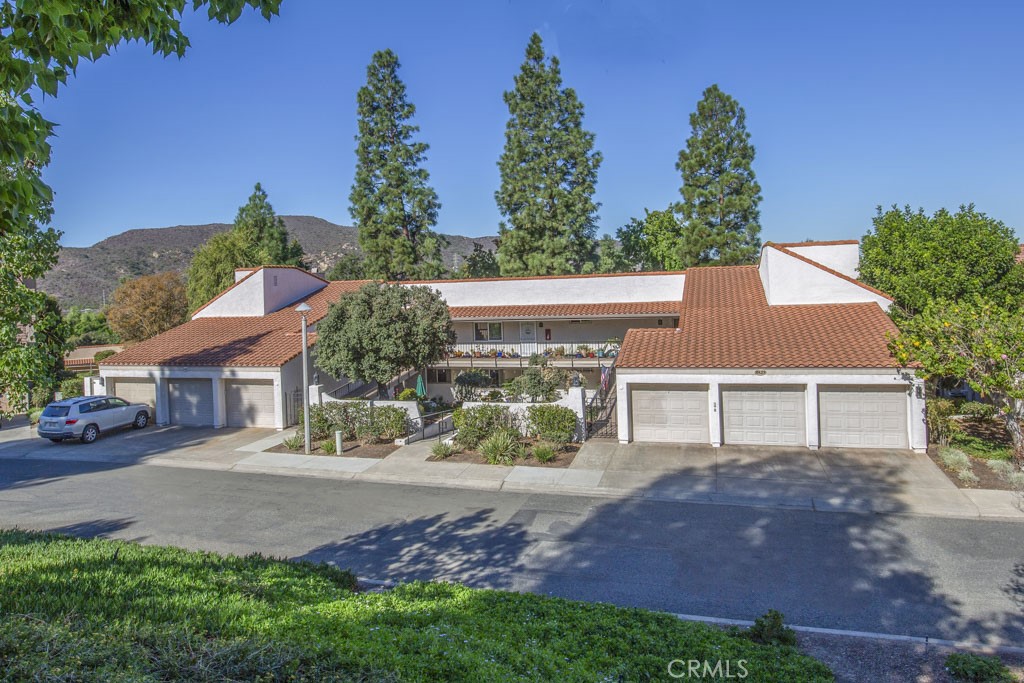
<point>566,310</point>
<point>726,322</point>
<point>267,341</point>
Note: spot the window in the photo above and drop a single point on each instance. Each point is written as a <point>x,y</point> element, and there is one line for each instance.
<point>439,376</point>
<point>55,411</point>
<point>117,402</point>
<point>487,332</point>
<point>93,406</point>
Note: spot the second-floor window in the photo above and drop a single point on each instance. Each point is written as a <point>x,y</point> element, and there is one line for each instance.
<point>487,332</point>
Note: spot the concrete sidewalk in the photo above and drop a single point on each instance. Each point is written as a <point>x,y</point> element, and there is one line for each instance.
<point>829,480</point>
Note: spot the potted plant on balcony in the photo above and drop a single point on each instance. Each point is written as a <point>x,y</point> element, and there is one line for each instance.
<point>582,351</point>
<point>492,353</point>
<point>558,352</point>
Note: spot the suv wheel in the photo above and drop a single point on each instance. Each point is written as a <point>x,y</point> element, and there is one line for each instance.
<point>141,420</point>
<point>90,433</point>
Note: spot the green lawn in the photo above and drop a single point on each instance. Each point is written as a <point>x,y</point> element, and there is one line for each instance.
<point>98,610</point>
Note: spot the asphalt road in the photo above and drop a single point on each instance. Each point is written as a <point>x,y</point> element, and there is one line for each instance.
<point>921,576</point>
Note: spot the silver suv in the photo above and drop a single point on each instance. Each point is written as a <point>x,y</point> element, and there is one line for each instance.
<point>86,416</point>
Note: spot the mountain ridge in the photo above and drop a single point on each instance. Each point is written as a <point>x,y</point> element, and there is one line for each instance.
<point>86,276</point>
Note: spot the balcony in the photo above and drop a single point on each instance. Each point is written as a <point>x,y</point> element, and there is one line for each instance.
<point>517,354</point>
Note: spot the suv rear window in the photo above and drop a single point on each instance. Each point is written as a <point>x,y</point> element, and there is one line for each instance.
<point>56,411</point>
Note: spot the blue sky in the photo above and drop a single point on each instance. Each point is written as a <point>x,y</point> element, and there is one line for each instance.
<point>850,105</point>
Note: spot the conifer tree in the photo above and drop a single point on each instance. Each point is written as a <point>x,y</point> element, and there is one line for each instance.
<point>548,174</point>
<point>719,210</point>
<point>392,203</point>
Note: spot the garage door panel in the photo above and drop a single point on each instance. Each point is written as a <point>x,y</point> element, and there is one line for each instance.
<point>863,417</point>
<point>250,403</point>
<point>135,390</point>
<point>764,415</point>
<point>191,402</point>
<point>670,415</point>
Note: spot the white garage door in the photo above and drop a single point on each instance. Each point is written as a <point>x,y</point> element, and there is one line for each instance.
<point>250,403</point>
<point>191,402</point>
<point>770,415</point>
<point>863,417</point>
<point>671,414</point>
<point>134,390</point>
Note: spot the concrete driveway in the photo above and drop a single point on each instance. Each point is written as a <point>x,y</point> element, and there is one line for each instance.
<point>854,480</point>
<point>151,445</point>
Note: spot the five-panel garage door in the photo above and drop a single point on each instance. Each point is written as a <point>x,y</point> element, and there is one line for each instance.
<point>191,402</point>
<point>768,415</point>
<point>250,403</point>
<point>672,414</point>
<point>134,390</point>
<point>863,417</point>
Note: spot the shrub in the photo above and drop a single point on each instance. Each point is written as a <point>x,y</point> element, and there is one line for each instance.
<point>1001,467</point>
<point>493,395</point>
<point>768,629</point>
<point>941,425</point>
<point>443,449</point>
<point>33,415</point>
<point>103,355</point>
<point>501,447</point>
<point>954,459</point>
<point>539,382</point>
<point>973,668</point>
<point>296,442</point>
<point>978,410</point>
<point>71,387</point>
<point>967,476</point>
<point>551,423</point>
<point>544,452</point>
<point>389,422</point>
<point>475,424</point>
<point>468,381</point>
<point>408,395</point>
<point>42,395</point>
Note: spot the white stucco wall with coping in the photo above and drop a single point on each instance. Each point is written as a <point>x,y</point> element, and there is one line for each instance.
<point>575,399</point>
<point>810,379</point>
<point>261,292</point>
<point>570,290</point>
<point>788,280</point>
<point>843,258</point>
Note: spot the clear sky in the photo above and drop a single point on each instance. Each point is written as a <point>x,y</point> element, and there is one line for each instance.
<point>849,104</point>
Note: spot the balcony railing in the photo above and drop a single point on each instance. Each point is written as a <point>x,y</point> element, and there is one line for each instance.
<point>552,350</point>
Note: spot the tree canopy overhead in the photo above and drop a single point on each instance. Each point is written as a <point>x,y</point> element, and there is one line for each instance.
<point>548,174</point>
<point>918,259</point>
<point>392,203</point>
<point>41,45</point>
<point>383,329</point>
<point>719,211</point>
<point>258,238</point>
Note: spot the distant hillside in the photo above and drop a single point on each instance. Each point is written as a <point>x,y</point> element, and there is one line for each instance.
<point>83,276</point>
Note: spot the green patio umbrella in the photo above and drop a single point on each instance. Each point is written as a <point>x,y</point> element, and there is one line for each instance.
<point>421,390</point>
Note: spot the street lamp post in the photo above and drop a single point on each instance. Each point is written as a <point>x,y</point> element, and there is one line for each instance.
<point>305,308</point>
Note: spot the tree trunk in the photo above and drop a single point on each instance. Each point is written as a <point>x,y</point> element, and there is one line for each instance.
<point>1012,417</point>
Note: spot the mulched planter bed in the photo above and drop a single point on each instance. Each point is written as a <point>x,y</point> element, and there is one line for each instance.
<point>562,459</point>
<point>352,450</point>
<point>987,479</point>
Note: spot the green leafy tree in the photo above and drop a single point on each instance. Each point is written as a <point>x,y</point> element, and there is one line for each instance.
<point>258,238</point>
<point>41,44</point>
<point>88,328</point>
<point>383,329</point>
<point>654,242</point>
<point>392,202</point>
<point>719,210</point>
<point>148,305</point>
<point>610,258</point>
<point>351,266</point>
<point>976,340</point>
<point>548,174</point>
<point>918,259</point>
<point>480,263</point>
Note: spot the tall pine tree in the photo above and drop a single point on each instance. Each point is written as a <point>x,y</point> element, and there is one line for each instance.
<point>258,238</point>
<point>392,203</point>
<point>719,210</point>
<point>548,174</point>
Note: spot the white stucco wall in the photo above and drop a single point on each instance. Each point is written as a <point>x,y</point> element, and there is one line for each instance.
<point>788,280</point>
<point>263,291</point>
<point>579,290</point>
<point>844,258</point>
<point>593,330</point>
<point>810,379</point>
